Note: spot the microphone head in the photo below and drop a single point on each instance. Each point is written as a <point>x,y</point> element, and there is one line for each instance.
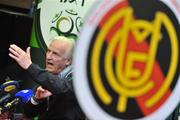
<point>10,86</point>
<point>8,90</point>
<point>24,95</point>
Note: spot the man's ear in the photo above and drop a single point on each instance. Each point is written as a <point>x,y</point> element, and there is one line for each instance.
<point>68,61</point>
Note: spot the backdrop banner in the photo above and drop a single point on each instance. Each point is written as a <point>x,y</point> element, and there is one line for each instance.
<point>56,17</point>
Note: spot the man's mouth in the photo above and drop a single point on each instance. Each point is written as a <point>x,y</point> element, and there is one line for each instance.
<point>50,63</point>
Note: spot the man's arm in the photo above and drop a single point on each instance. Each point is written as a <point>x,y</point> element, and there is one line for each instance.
<point>54,83</point>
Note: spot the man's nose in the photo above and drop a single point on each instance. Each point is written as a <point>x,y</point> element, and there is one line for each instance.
<point>49,55</point>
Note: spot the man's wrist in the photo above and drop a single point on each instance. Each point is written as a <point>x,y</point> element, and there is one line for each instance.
<point>35,101</point>
<point>27,65</point>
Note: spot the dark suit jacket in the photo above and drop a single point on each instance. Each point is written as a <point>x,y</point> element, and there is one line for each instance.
<point>62,104</point>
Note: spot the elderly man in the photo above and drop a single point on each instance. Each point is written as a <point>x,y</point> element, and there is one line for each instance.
<point>54,99</point>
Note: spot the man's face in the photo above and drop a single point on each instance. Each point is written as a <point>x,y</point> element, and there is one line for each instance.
<point>56,60</point>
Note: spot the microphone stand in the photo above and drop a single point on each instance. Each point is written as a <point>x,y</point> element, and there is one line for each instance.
<point>8,112</point>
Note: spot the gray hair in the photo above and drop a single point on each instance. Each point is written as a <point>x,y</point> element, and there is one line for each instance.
<point>70,41</point>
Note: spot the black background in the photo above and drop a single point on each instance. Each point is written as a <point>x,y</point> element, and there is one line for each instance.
<point>15,28</point>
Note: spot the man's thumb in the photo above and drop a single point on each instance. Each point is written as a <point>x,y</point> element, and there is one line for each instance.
<point>28,50</point>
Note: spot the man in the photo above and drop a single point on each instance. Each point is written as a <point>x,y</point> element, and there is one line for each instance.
<point>54,99</point>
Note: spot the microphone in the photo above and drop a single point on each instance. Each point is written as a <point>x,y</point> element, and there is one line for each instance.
<point>22,97</point>
<point>6,97</point>
<point>8,90</point>
<point>9,86</point>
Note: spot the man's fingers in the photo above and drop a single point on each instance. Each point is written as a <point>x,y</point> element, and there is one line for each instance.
<point>13,56</point>
<point>28,50</point>
<point>15,53</point>
<point>40,89</point>
<point>16,49</point>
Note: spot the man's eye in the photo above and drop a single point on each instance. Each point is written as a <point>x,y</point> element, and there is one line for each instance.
<point>48,51</point>
<point>57,54</point>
